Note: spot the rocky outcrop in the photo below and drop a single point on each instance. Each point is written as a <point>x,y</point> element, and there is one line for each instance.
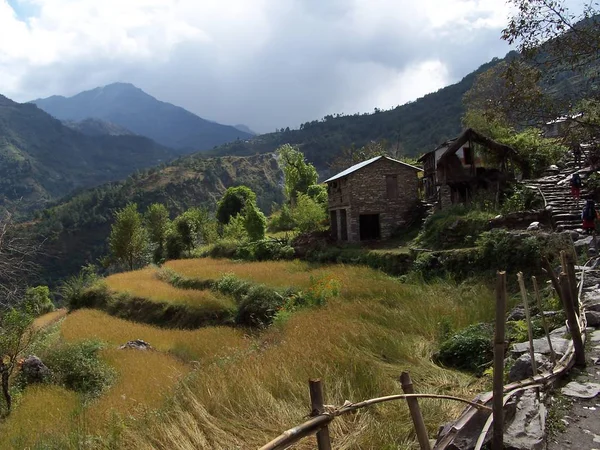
<point>136,344</point>
<point>34,370</point>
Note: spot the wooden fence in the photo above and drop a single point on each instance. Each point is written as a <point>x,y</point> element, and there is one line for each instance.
<point>492,403</point>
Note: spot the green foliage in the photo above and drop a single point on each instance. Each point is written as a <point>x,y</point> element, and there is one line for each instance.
<point>522,198</point>
<point>128,239</point>
<point>230,284</point>
<point>174,244</point>
<point>235,229</point>
<point>255,222</point>
<point>282,220</point>
<point>72,288</point>
<point>537,152</point>
<point>299,174</point>
<point>37,300</point>
<point>470,349</point>
<point>308,214</point>
<point>233,202</point>
<point>158,224</point>
<point>452,227</point>
<point>508,251</point>
<point>318,192</point>
<point>78,367</point>
<point>259,306</point>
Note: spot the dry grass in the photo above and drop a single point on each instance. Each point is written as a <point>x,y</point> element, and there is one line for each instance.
<point>43,412</point>
<point>197,345</point>
<point>144,283</point>
<point>49,319</point>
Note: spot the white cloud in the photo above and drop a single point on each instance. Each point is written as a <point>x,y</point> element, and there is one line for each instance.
<point>266,63</point>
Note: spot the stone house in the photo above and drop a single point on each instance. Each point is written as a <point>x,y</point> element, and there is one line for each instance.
<point>372,199</point>
<point>462,166</point>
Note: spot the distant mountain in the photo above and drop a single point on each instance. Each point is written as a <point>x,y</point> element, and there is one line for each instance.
<point>76,228</point>
<point>41,159</point>
<point>245,129</point>
<point>130,107</point>
<point>97,127</point>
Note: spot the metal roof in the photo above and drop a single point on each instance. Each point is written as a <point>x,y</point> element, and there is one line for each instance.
<point>360,165</point>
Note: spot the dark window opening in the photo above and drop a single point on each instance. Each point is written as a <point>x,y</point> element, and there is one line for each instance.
<point>333,224</point>
<point>369,227</point>
<point>343,224</point>
<point>468,152</point>
<point>391,185</point>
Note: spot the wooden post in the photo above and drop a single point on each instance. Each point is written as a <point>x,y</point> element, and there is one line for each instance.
<point>568,267</point>
<point>528,319</point>
<point>544,323</point>
<point>498,405</point>
<point>572,320</point>
<point>316,406</point>
<point>553,278</point>
<point>415,412</point>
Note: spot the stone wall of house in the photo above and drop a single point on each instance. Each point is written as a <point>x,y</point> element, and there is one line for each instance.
<point>368,195</point>
<point>339,193</point>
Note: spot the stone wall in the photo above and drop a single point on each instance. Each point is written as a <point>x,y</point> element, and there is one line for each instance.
<point>366,192</point>
<point>522,219</point>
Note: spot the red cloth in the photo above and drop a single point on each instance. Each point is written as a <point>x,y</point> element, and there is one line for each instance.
<point>575,192</point>
<point>587,224</point>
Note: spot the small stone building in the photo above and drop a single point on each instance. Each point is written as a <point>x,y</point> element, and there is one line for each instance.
<point>372,199</point>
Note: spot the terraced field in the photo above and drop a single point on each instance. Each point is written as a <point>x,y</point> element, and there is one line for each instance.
<point>228,387</point>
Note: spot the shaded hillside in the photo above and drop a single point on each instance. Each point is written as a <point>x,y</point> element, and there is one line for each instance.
<point>76,229</point>
<point>130,107</point>
<point>41,159</point>
<point>97,127</point>
<point>419,126</point>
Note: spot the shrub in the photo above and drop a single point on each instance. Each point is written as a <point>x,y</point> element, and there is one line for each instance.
<point>500,249</point>
<point>308,215</point>
<point>222,249</point>
<point>174,245</point>
<point>259,306</point>
<point>78,367</point>
<point>271,250</point>
<point>470,349</point>
<point>229,284</point>
<point>521,199</point>
<point>235,230</point>
<point>233,202</point>
<point>73,287</point>
<point>255,222</point>
<point>282,220</point>
<point>37,300</point>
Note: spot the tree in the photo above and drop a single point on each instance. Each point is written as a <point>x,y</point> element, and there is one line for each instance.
<point>157,222</point>
<point>308,215</point>
<point>255,222</point>
<point>233,202</point>
<point>128,239</point>
<point>318,192</point>
<point>189,226</point>
<point>37,300</point>
<point>299,174</point>
<point>16,336</point>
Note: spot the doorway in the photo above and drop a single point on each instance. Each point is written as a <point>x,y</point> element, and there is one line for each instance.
<point>333,225</point>
<point>369,227</point>
<point>343,224</point>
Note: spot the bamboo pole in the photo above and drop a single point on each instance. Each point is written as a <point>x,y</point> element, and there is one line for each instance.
<point>568,267</point>
<point>572,320</point>
<point>498,405</point>
<point>550,271</point>
<point>317,408</point>
<point>544,323</point>
<point>528,319</point>
<point>415,411</point>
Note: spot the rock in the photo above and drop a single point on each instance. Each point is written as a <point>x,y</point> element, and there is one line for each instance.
<point>573,233</point>
<point>561,331</point>
<point>584,243</point>
<point>34,370</point>
<point>581,390</point>
<point>593,318</point>
<point>540,345</point>
<point>522,369</point>
<point>553,168</point>
<point>595,337</point>
<point>518,313</point>
<point>137,344</point>
<point>528,429</point>
<point>534,226</point>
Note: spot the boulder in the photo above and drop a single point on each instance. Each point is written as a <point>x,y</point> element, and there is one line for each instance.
<point>522,369</point>
<point>561,331</point>
<point>527,430</point>
<point>518,313</point>
<point>584,243</point>
<point>136,344</point>
<point>581,390</point>
<point>534,226</point>
<point>34,370</point>
<point>559,345</point>
<point>593,318</point>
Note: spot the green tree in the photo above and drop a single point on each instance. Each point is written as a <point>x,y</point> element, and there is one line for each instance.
<point>299,174</point>
<point>190,227</point>
<point>255,222</point>
<point>37,300</point>
<point>128,239</point>
<point>233,202</point>
<point>16,336</point>
<point>158,223</point>
<point>236,228</point>
<point>308,214</point>
<point>318,192</point>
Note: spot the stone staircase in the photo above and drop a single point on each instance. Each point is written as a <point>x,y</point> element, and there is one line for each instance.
<point>556,190</point>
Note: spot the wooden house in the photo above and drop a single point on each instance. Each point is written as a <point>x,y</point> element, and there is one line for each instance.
<point>372,199</point>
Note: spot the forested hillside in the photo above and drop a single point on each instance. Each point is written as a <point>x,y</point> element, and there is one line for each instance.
<point>130,107</point>
<point>76,229</point>
<point>42,160</point>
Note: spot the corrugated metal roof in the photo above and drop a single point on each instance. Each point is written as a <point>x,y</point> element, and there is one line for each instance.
<point>360,165</point>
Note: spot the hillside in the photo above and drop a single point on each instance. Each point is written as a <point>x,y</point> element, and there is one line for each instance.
<point>97,127</point>
<point>77,228</point>
<point>130,107</point>
<point>41,159</point>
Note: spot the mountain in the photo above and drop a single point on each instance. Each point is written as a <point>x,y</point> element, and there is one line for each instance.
<point>41,159</point>
<point>130,107</point>
<point>245,129</point>
<point>97,127</point>
<point>76,229</point>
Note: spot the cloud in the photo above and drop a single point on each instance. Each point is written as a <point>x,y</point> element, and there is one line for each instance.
<point>265,63</point>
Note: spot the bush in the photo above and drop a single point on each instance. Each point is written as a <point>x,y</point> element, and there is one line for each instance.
<point>235,230</point>
<point>255,222</point>
<point>282,220</point>
<point>174,245</point>
<point>522,199</point>
<point>229,284</point>
<point>537,152</point>
<point>79,367</point>
<point>259,306</point>
<point>222,249</point>
<point>308,214</point>
<point>37,300</point>
<point>500,249</point>
<point>73,287</point>
<point>233,202</point>
<point>470,349</point>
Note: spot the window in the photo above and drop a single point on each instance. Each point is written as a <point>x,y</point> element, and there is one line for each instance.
<point>468,152</point>
<point>391,185</point>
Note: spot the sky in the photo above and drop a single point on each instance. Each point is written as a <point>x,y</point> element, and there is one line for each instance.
<point>264,63</point>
